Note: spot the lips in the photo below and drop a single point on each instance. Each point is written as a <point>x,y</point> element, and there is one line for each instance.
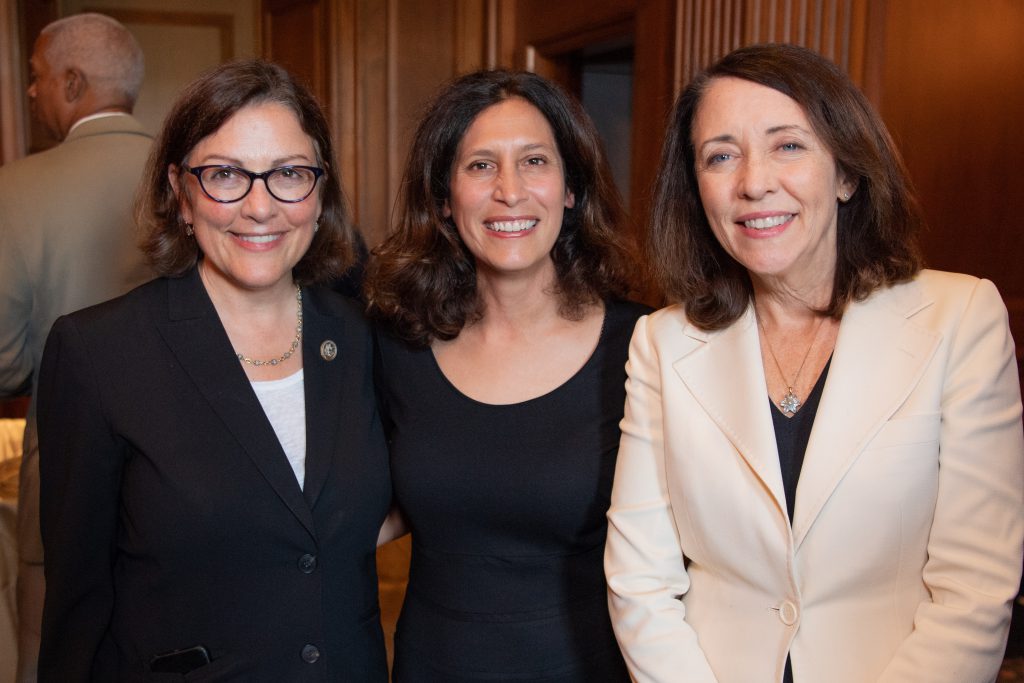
<point>512,226</point>
<point>768,222</point>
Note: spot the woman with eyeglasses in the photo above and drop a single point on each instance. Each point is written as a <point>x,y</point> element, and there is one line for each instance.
<point>214,474</point>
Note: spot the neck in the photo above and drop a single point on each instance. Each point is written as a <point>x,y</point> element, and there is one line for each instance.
<point>230,298</point>
<point>787,294</point>
<point>517,301</point>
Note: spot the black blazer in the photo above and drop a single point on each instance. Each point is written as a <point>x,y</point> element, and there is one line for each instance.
<point>171,517</point>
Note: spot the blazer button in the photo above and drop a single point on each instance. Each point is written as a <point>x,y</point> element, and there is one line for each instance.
<point>310,654</point>
<point>307,563</point>
<point>788,613</point>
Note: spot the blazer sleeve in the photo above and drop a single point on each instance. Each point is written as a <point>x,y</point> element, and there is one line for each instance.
<point>644,563</point>
<point>975,544</point>
<point>80,471</point>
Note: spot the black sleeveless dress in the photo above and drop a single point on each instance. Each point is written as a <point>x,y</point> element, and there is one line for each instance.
<point>507,508</point>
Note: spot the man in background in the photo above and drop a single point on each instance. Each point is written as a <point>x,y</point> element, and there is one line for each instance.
<point>67,237</point>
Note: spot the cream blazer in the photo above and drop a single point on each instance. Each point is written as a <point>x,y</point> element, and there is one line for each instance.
<point>904,554</point>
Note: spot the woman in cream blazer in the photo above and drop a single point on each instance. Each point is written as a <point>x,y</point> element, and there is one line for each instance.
<point>898,555</point>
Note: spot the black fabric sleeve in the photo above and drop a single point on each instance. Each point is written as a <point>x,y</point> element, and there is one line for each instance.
<point>80,462</point>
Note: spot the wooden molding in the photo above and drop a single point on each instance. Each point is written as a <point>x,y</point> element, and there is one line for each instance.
<point>12,108</point>
<point>223,23</point>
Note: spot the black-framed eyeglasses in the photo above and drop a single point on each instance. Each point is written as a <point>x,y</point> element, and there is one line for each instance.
<point>226,184</point>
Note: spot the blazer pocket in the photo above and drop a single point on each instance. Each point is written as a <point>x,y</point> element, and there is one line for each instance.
<point>908,430</point>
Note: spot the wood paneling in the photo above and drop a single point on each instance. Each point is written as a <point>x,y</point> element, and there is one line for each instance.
<point>295,36</point>
<point>12,84</point>
<point>711,28</point>
<point>547,38</point>
<point>952,95</point>
<point>15,407</point>
<point>33,15</point>
<point>222,24</point>
<point>390,58</point>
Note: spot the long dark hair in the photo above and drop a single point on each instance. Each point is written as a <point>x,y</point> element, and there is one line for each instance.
<point>422,279</point>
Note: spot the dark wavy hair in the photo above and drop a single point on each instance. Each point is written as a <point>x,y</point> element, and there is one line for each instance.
<point>201,109</point>
<point>421,280</point>
<point>877,227</point>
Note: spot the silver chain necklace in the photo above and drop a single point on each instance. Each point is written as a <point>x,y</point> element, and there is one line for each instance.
<point>789,403</point>
<point>295,342</point>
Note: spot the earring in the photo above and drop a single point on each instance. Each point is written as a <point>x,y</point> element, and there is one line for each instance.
<point>316,225</point>
<point>846,196</point>
<point>188,230</point>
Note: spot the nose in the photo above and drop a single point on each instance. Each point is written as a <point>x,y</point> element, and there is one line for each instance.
<point>757,177</point>
<point>509,188</point>
<point>259,204</point>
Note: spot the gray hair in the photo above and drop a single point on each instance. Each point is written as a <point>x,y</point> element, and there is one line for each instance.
<point>102,48</point>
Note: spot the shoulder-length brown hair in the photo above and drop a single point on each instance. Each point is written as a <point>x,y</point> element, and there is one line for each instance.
<point>421,280</point>
<point>204,106</point>
<point>877,227</point>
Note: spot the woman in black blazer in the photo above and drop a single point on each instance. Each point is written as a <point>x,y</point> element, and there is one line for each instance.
<point>214,474</point>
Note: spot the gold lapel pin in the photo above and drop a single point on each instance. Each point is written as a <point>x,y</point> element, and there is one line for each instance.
<point>328,350</point>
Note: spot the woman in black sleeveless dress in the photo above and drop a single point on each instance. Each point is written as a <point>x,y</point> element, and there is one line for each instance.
<point>501,295</point>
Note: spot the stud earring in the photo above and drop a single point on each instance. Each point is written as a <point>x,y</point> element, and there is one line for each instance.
<point>188,230</point>
<point>316,225</point>
<point>846,196</point>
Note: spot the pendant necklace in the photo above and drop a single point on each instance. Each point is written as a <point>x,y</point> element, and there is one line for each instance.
<point>789,403</point>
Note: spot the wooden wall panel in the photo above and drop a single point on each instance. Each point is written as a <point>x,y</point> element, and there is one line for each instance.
<point>13,117</point>
<point>711,28</point>
<point>546,37</point>
<point>295,35</point>
<point>390,58</point>
<point>952,97</point>
<point>33,15</point>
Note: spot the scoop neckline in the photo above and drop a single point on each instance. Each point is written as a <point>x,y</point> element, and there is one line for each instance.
<point>572,378</point>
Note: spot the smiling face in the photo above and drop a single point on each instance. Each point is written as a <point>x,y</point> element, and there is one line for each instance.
<point>254,243</point>
<point>507,192</point>
<point>767,183</point>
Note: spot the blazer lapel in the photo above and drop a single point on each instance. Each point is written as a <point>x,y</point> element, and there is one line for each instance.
<point>724,373</point>
<point>196,337</point>
<point>880,355</point>
<point>323,378</point>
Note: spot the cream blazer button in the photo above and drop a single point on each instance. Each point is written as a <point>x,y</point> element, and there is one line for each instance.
<point>788,613</point>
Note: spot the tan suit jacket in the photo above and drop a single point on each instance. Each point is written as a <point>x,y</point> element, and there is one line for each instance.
<point>904,554</point>
<point>67,240</point>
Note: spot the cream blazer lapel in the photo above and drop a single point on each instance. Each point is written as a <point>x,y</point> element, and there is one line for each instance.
<point>724,373</point>
<point>881,354</point>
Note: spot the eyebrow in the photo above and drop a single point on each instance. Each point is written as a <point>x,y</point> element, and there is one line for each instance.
<point>223,160</point>
<point>528,147</point>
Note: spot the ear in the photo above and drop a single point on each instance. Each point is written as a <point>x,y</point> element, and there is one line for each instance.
<point>845,189</point>
<point>570,199</point>
<point>177,181</point>
<point>446,210</point>
<point>74,85</point>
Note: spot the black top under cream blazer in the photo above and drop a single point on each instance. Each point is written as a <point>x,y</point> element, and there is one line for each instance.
<point>171,517</point>
<point>904,554</point>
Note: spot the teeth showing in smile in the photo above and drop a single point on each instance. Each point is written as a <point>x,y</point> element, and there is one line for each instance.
<point>510,226</point>
<point>769,222</point>
<point>259,239</point>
